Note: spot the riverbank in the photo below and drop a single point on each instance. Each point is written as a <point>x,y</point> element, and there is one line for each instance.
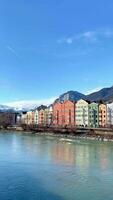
<point>98,134</point>
<point>66,137</point>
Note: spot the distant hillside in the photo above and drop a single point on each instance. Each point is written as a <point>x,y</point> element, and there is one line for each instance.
<point>72,95</point>
<point>105,94</point>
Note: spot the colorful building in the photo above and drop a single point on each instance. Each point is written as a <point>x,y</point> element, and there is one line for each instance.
<point>68,113</point>
<point>81,113</point>
<point>110,114</point>
<point>30,117</point>
<point>64,113</point>
<point>42,115</point>
<point>57,114</point>
<point>102,115</point>
<point>94,115</point>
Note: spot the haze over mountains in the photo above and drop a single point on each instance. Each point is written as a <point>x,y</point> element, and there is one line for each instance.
<point>105,94</point>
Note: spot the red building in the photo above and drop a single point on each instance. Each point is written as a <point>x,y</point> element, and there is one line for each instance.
<point>64,113</point>
<point>57,114</point>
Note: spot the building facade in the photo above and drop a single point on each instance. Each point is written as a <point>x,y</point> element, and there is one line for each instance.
<point>68,113</point>
<point>81,113</point>
<point>42,115</point>
<point>36,116</point>
<point>94,115</point>
<point>30,117</point>
<point>49,115</point>
<point>110,114</point>
<point>64,113</point>
<point>102,115</point>
<point>57,114</point>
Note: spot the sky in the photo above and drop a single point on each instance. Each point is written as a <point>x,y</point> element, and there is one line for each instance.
<point>48,47</point>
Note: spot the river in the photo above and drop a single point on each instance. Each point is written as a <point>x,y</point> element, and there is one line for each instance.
<point>34,167</point>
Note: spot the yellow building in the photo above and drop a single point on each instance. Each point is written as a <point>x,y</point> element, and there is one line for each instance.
<point>30,117</point>
<point>102,115</point>
<point>45,115</point>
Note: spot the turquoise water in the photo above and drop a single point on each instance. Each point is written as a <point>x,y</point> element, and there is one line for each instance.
<point>46,168</point>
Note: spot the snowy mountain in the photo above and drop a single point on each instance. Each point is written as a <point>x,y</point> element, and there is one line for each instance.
<point>30,105</point>
<point>5,108</point>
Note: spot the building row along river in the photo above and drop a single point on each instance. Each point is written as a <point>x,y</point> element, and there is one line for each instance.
<point>68,113</point>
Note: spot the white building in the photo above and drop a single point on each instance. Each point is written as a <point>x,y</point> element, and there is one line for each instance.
<point>36,115</point>
<point>109,114</point>
<point>81,111</point>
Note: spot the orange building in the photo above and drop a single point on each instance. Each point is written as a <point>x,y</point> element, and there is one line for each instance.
<point>42,110</point>
<point>64,113</point>
<point>102,115</point>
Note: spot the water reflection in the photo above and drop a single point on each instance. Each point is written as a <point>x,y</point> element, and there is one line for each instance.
<point>78,153</point>
<point>40,167</point>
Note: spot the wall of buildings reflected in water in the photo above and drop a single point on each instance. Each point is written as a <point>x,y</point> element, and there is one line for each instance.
<point>80,153</point>
<point>33,166</point>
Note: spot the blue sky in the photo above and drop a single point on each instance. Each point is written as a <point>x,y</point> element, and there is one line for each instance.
<point>48,47</point>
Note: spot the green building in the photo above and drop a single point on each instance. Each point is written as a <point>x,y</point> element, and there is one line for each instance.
<point>94,115</point>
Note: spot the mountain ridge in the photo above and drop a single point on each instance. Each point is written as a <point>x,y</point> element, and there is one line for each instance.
<point>105,94</point>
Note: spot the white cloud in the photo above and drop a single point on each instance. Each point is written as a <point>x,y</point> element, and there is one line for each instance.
<point>93,90</point>
<point>69,40</point>
<point>88,34</point>
<point>30,104</point>
<point>91,36</point>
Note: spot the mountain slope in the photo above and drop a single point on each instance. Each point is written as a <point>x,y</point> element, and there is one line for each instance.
<point>71,95</point>
<point>105,94</point>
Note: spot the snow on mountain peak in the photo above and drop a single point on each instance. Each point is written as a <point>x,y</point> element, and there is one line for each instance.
<point>31,104</point>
